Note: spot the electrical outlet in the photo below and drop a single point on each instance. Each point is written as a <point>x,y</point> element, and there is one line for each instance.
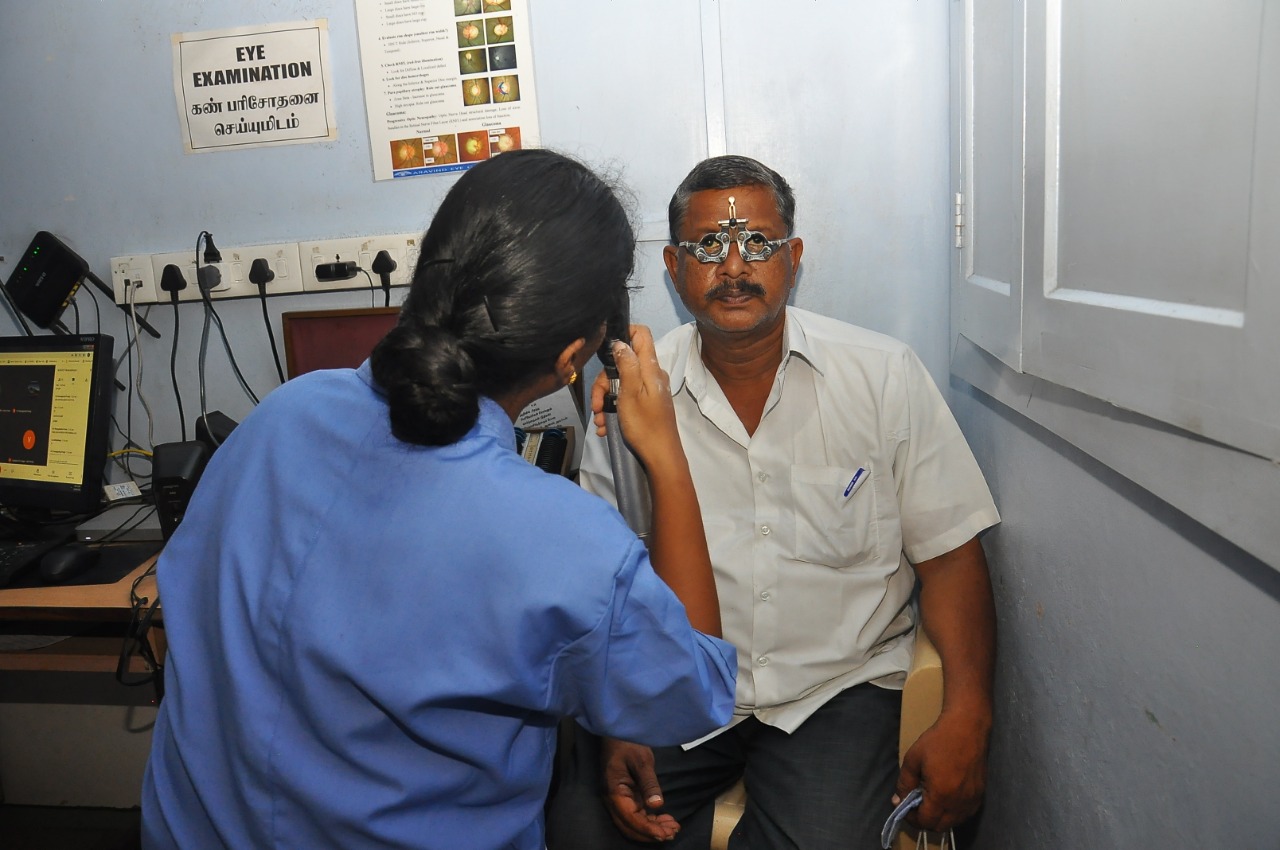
<point>294,266</point>
<point>403,248</point>
<point>283,260</point>
<point>186,263</point>
<point>130,271</point>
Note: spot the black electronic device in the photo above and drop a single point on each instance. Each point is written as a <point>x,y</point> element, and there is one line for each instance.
<point>46,278</point>
<point>175,470</point>
<point>213,428</point>
<point>60,565</point>
<point>630,485</point>
<point>23,548</point>
<point>55,422</point>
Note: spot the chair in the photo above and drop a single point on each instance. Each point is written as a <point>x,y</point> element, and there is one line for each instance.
<point>921,705</point>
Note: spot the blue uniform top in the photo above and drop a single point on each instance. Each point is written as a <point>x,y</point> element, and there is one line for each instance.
<point>370,642</point>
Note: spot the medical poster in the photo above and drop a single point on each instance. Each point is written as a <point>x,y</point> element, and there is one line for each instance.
<point>447,83</point>
<point>251,87</point>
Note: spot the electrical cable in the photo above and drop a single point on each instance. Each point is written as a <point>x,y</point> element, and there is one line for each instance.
<point>137,639</point>
<point>132,450</point>
<point>210,252</point>
<point>260,273</point>
<point>121,459</point>
<point>204,348</point>
<point>97,309</point>
<point>204,340</point>
<point>143,511</point>
<point>127,354</point>
<point>173,370</point>
<point>133,320</point>
<point>226,344</point>
<point>275,352</point>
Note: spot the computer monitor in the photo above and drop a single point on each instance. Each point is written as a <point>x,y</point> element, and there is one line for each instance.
<point>333,339</point>
<point>55,422</point>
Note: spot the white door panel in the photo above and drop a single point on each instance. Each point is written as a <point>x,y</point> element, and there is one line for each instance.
<point>990,213</point>
<point>1152,207</point>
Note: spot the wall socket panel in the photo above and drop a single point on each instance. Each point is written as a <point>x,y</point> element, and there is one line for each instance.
<point>403,248</point>
<point>294,265</point>
<point>133,271</point>
<point>232,274</point>
<point>281,259</point>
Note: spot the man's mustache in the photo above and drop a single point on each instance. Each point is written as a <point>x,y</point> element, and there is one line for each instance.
<point>730,287</point>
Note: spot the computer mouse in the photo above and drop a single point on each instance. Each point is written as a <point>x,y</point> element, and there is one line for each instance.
<point>66,562</point>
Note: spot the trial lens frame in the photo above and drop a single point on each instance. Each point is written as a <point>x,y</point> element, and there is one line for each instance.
<point>700,248</point>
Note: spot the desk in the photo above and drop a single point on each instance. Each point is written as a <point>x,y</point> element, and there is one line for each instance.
<point>78,604</point>
<point>70,734</point>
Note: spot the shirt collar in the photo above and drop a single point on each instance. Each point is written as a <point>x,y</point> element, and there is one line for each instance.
<point>494,422</point>
<point>687,366</point>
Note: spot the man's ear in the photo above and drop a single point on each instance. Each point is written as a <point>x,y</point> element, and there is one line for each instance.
<point>796,249</point>
<point>671,256</point>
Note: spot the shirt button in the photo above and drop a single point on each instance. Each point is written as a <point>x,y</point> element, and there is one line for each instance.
<point>763,661</point>
<point>762,477</point>
<point>764,529</point>
<point>764,594</point>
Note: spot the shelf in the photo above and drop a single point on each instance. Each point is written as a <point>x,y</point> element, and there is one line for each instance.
<point>73,655</point>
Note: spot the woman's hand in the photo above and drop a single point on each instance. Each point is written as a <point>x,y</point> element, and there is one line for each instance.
<point>645,409</point>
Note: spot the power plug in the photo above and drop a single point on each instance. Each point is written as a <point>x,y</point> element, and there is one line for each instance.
<point>211,252</point>
<point>260,273</point>
<point>383,266</point>
<point>208,277</point>
<point>172,280</point>
<point>337,270</point>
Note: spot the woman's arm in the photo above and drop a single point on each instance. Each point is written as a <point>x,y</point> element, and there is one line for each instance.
<point>677,541</point>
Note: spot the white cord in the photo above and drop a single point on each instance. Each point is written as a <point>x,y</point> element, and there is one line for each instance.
<point>137,382</point>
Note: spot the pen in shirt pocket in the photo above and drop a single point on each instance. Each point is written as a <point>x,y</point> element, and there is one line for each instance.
<point>855,482</point>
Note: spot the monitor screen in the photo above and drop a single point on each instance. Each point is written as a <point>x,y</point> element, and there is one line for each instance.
<point>55,421</point>
<point>333,339</point>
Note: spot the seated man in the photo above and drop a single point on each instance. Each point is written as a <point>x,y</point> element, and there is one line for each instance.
<point>831,475</point>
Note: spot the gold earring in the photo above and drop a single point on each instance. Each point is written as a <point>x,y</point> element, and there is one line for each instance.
<point>573,378</point>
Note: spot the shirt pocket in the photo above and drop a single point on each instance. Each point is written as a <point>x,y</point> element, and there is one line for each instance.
<point>832,528</point>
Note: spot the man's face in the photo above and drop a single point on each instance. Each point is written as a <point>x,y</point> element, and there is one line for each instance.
<point>734,296</point>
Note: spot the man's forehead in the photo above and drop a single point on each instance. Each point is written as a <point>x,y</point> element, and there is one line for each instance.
<point>710,206</point>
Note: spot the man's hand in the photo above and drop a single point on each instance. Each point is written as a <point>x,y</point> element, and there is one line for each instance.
<point>950,761</point>
<point>632,794</point>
